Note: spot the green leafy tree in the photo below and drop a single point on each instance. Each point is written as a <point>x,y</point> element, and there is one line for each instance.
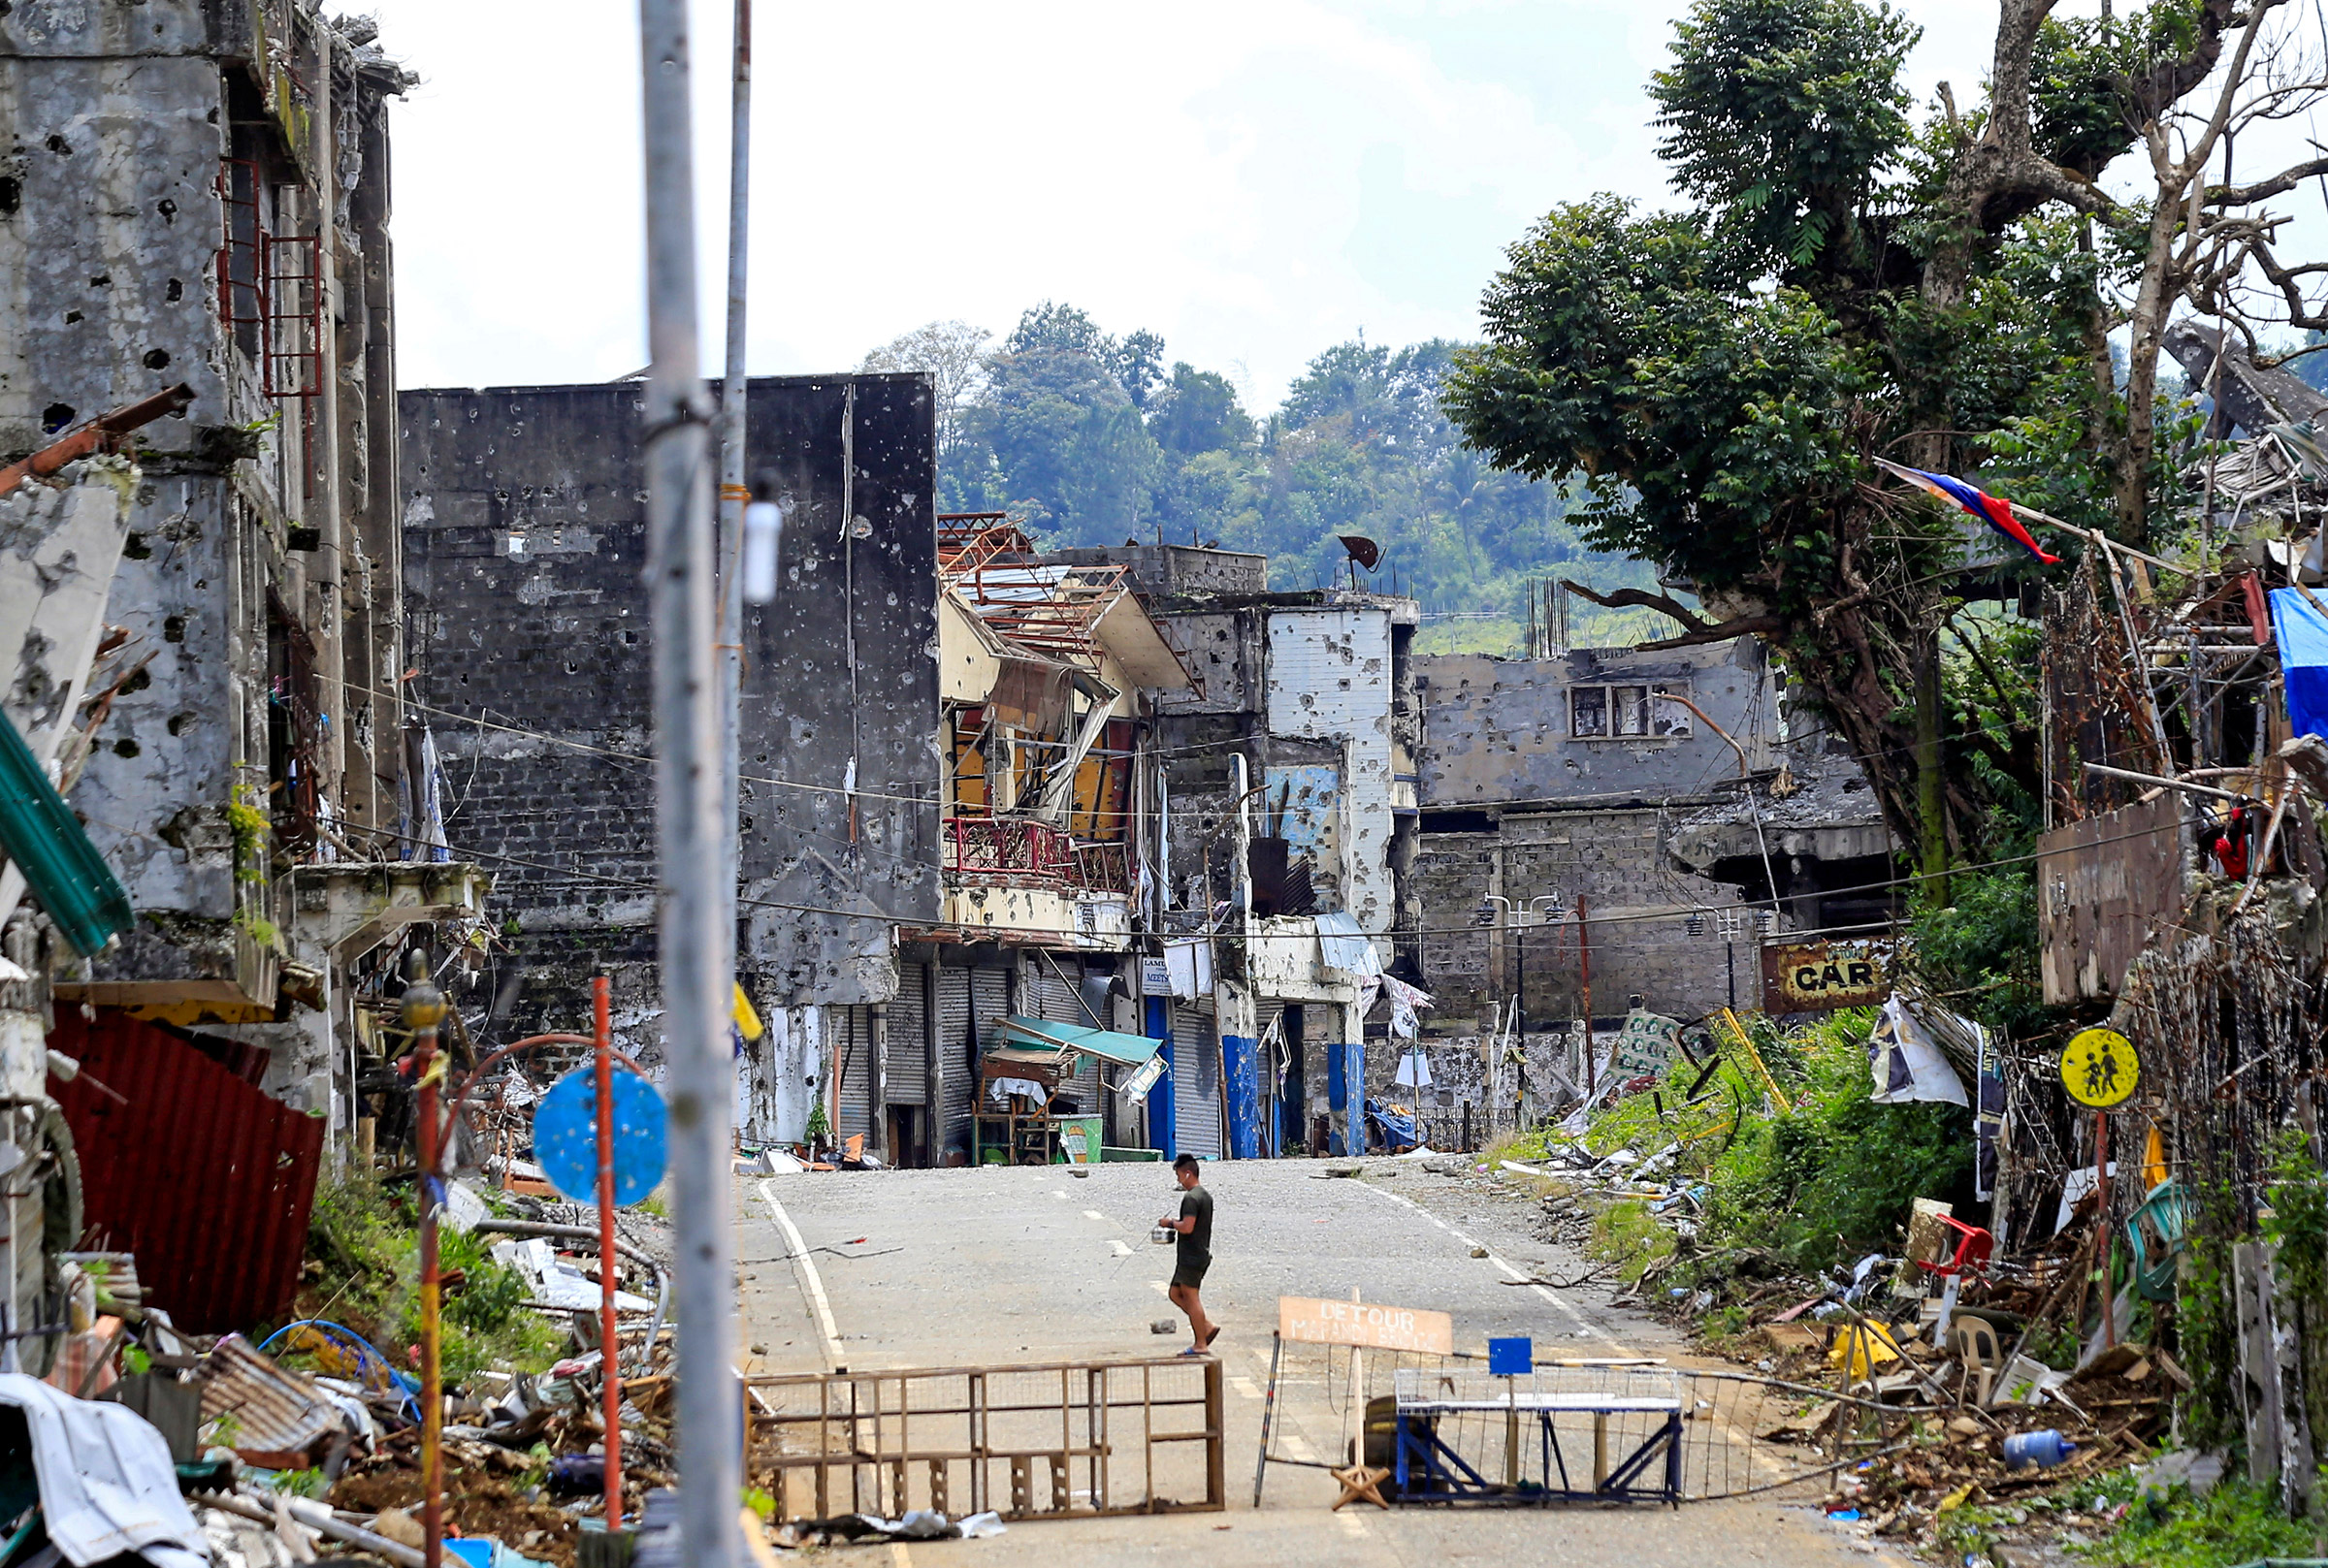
<point>1848,284</point>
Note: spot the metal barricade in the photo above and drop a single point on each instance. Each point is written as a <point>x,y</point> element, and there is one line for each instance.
<point>1069,1439</point>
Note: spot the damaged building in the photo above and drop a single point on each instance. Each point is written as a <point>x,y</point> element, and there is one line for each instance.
<point>201,615</point>
<point>1607,830</point>
<point>524,538</point>
<point>1286,807</point>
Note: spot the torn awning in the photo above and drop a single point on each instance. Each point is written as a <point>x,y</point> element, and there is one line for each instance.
<point>1125,1050</point>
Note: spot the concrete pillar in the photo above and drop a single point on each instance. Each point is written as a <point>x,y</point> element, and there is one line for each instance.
<point>1240,1068</point>
<point>877,1083</point>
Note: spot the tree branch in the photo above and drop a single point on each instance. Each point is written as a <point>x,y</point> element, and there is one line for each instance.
<point>1625,599</point>
<point>1750,625</point>
<point>2280,184</point>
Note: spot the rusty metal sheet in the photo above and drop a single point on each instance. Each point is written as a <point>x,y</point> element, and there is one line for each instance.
<point>200,1175</point>
<point>279,1419</point>
<point>2103,886</point>
<point>1820,976</point>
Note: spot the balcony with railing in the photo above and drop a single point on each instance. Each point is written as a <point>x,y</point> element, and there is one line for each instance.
<point>1019,852</point>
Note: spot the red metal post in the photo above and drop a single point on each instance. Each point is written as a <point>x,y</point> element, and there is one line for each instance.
<point>610,1367</point>
<point>2101,1181</point>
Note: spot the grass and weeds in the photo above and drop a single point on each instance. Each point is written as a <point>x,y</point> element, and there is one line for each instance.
<point>2234,1524</point>
<point>2108,1519</point>
<point>365,1240</point>
<point>1827,1180</point>
<point>1627,1235</point>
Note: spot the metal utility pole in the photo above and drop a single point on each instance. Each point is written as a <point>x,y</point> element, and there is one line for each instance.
<point>691,814</point>
<point>734,493</point>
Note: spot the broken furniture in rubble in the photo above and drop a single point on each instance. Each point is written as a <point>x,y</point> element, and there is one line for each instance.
<point>1019,1120</point>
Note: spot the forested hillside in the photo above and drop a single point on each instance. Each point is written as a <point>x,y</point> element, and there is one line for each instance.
<point>1096,439</point>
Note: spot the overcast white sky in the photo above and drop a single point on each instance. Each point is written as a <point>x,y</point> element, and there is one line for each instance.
<point>1253,180</point>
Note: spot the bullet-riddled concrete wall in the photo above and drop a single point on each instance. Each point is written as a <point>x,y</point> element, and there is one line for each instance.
<point>525,540</point>
<point>1617,862</point>
<point>157,151</point>
<point>1498,731</point>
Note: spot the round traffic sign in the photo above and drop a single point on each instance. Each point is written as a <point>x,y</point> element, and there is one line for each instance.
<point>2099,1068</point>
<point>566,1136</point>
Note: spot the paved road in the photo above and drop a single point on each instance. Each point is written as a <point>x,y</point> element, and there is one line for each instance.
<point>958,1268</point>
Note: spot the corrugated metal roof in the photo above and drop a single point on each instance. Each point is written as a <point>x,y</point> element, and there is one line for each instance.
<point>280,1419</point>
<point>202,1177</point>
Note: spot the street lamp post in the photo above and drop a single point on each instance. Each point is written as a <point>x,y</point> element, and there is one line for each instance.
<point>1520,914</point>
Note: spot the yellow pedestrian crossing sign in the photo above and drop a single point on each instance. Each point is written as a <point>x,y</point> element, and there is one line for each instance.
<point>2099,1068</point>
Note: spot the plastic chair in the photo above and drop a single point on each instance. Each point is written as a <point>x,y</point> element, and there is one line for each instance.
<point>2154,1235</point>
<point>1970,1255</point>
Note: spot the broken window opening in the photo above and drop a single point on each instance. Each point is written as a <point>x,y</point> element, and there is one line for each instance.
<point>1645,712</point>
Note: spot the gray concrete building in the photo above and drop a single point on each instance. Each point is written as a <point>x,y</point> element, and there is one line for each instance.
<point>524,538</point>
<point>196,193</point>
<point>1286,807</point>
<point>1607,829</point>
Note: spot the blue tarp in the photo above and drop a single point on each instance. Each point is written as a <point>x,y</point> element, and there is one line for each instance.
<point>2304,659</point>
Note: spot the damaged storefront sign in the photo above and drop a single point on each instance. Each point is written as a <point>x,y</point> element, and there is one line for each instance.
<point>1819,977</point>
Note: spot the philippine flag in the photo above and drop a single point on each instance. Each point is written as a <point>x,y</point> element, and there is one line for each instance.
<point>1993,510</point>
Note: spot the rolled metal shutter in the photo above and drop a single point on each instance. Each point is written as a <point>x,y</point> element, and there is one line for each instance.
<point>990,1000</point>
<point>1059,1001</point>
<point>907,1054</point>
<point>851,1031</point>
<point>955,1052</point>
<point>1195,1081</point>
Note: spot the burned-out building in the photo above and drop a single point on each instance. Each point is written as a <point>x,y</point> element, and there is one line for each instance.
<point>524,534</point>
<point>1606,829</point>
<point>201,607</point>
<point>1285,812</point>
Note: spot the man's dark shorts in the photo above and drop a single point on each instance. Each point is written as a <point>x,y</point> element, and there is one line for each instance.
<point>1189,1272</point>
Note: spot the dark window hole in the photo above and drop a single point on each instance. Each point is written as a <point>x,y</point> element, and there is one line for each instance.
<point>135,548</point>
<point>12,189</point>
<point>173,291</point>
<point>56,417</point>
<point>125,748</point>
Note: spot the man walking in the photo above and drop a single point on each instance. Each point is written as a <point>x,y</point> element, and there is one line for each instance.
<point>1195,1253</point>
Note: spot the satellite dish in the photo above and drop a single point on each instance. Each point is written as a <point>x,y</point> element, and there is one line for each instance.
<point>1363,550</point>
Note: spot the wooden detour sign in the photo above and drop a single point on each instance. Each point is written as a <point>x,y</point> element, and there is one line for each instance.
<point>1315,1322</point>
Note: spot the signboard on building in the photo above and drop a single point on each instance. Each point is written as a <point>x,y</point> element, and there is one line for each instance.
<point>1819,977</point>
<point>1315,1322</point>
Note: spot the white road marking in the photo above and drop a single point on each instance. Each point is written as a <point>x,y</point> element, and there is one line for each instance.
<point>1245,1386</point>
<point>1295,1444</point>
<point>899,1558</point>
<point>810,1281</point>
<point>1583,1323</point>
<point>1121,1251</point>
<point>1093,1214</point>
<point>1163,1286</point>
<point>1351,1523</point>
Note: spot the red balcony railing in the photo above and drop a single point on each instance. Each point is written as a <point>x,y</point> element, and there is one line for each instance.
<point>1018,850</point>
